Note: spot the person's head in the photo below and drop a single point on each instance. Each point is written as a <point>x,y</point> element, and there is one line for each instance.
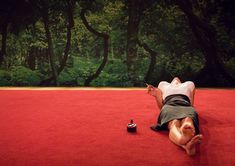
<point>175,80</point>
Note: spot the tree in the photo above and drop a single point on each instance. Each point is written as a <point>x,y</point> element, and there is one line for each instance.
<point>105,38</point>
<point>45,17</point>
<point>135,12</point>
<point>69,5</point>
<point>15,15</point>
<point>153,55</point>
<point>205,33</point>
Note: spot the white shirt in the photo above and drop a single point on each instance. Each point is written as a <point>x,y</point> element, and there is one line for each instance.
<point>185,88</point>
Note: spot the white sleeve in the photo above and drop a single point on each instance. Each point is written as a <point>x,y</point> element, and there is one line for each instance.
<point>162,85</point>
<point>191,85</point>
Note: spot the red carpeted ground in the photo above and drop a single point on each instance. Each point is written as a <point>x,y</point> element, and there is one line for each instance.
<point>88,127</point>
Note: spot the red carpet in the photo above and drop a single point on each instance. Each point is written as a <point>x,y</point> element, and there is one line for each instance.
<point>88,127</point>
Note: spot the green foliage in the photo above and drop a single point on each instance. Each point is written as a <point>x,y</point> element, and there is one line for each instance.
<point>5,78</point>
<point>114,74</point>
<point>85,67</point>
<point>68,78</point>
<point>185,66</point>
<point>163,27</point>
<point>230,66</point>
<point>22,76</point>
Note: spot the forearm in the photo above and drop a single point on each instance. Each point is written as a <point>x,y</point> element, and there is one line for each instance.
<point>158,98</point>
<point>193,93</point>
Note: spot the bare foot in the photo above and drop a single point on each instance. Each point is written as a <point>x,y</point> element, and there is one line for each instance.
<point>187,130</point>
<point>190,147</point>
<point>173,123</point>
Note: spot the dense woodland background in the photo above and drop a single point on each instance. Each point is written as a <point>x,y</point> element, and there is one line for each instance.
<point>120,43</point>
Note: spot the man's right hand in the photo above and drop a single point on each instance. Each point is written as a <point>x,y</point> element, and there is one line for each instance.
<point>151,90</point>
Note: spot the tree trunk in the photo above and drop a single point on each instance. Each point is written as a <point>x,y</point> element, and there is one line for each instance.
<point>4,43</point>
<point>70,25</point>
<point>134,13</point>
<point>136,9</point>
<point>45,17</point>
<point>31,59</point>
<point>32,53</point>
<point>206,35</point>
<point>105,47</point>
<point>151,67</point>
